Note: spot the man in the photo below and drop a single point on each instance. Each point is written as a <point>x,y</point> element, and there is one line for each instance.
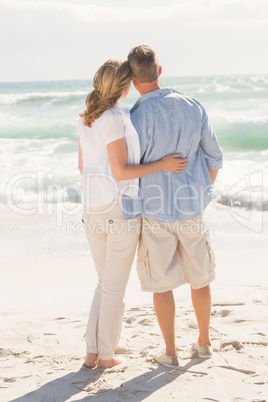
<point>174,246</point>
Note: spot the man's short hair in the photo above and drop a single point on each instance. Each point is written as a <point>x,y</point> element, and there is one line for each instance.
<point>144,64</point>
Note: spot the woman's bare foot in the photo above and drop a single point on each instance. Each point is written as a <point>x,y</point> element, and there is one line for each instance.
<point>91,359</point>
<point>109,363</point>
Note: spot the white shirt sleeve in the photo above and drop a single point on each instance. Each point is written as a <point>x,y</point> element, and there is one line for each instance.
<point>79,126</point>
<point>112,128</point>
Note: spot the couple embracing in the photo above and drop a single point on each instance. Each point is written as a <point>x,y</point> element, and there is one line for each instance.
<point>147,176</point>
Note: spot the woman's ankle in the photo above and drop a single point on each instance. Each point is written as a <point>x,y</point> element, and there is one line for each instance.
<point>114,361</point>
<point>91,359</point>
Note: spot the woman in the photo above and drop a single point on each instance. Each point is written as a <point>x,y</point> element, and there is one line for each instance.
<point>109,157</point>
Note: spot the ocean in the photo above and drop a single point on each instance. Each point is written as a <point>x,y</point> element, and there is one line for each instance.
<point>38,154</point>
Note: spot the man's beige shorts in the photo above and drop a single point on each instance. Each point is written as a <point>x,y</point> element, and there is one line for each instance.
<point>171,254</point>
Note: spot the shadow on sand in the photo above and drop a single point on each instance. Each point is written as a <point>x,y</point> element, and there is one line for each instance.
<point>136,389</point>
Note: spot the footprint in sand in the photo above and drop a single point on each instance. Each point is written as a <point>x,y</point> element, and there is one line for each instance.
<point>7,379</point>
<point>44,338</point>
<point>5,352</point>
<point>116,369</point>
<point>6,382</point>
<point>34,339</point>
<point>144,353</point>
<point>36,359</point>
<point>256,343</point>
<point>9,352</point>
<point>221,313</point>
<point>145,322</point>
<point>129,320</point>
<point>121,350</point>
<point>258,301</point>
<point>236,344</point>
<point>193,325</point>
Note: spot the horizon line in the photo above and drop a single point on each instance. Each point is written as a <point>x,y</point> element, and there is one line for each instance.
<point>167,76</point>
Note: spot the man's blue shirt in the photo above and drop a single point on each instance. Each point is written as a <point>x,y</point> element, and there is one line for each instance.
<point>169,122</point>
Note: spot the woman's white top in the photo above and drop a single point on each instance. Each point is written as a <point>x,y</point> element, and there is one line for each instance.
<point>98,184</point>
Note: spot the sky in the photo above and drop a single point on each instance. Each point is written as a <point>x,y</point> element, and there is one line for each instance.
<point>69,39</point>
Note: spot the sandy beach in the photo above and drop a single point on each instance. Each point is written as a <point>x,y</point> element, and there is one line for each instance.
<point>45,304</point>
<point>211,51</point>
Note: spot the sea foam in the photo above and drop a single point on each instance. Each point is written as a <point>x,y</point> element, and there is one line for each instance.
<point>38,134</point>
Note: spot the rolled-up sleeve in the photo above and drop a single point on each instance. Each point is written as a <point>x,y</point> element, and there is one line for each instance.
<point>210,146</point>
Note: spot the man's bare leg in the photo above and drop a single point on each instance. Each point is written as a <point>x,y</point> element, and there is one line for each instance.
<point>164,306</point>
<point>201,299</point>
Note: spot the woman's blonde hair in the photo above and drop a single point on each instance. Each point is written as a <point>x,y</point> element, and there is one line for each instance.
<point>109,82</point>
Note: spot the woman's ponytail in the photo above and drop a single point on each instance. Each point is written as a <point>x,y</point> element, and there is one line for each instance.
<point>109,83</point>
